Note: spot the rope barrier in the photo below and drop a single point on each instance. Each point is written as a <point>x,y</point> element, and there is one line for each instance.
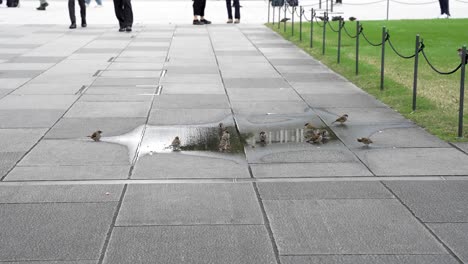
<point>318,23</point>
<point>405,3</point>
<point>398,53</point>
<point>331,27</point>
<point>368,41</point>
<point>369,3</point>
<point>349,35</point>
<point>436,70</point>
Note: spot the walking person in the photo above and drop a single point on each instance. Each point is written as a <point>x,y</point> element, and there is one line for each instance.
<point>124,13</point>
<point>43,5</point>
<point>71,11</point>
<point>199,11</point>
<point>444,9</point>
<point>98,3</point>
<point>236,11</point>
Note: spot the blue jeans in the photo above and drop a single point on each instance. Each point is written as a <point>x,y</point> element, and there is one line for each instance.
<point>99,2</point>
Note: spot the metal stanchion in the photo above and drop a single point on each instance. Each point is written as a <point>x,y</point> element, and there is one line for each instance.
<point>416,65</point>
<point>301,10</point>
<point>358,32</point>
<point>325,20</point>
<point>269,4</point>
<point>382,62</point>
<point>338,59</point>
<point>311,45</point>
<point>292,20</point>
<point>462,92</point>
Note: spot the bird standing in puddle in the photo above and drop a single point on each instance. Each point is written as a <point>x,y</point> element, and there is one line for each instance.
<point>365,141</point>
<point>263,138</point>
<point>225,142</point>
<point>342,119</point>
<point>175,145</point>
<point>96,136</point>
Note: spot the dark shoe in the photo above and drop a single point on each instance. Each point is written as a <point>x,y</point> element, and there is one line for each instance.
<point>41,8</point>
<point>197,22</point>
<point>72,26</point>
<point>204,21</point>
<point>128,29</point>
<point>83,24</point>
<point>122,29</point>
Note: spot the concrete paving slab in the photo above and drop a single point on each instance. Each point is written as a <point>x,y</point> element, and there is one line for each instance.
<point>54,231</point>
<point>188,117</point>
<point>276,107</point>
<point>455,236</point>
<point>357,100</point>
<point>255,83</point>
<point>60,194</point>
<point>304,69</point>
<point>161,166</point>
<point>37,59</point>
<point>11,66</point>
<point>55,262</point>
<point>108,109</point>
<point>65,173</point>
<point>388,136</point>
<point>125,81</point>
<point>431,201</point>
<point>12,83</point>
<point>19,140</point>
<point>322,190</point>
<point>188,101</point>
<point>230,244</point>
<point>130,74</point>
<point>301,170</point>
<point>343,226</point>
<point>117,98</point>
<point>135,66</point>
<point>15,74</point>
<point>263,94</point>
<point>326,88</point>
<point>461,145</point>
<point>190,204</point>
<point>329,77</point>
<point>121,90</point>
<point>188,88</point>
<point>81,127</point>
<point>370,259</point>
<point>205,70</point>
<point>362,116</point>
<point>302,61</point>
<point>29,118</point>
<point>37,102</point>
<point>76,152</point>
<point>191,78</point>
<point>8,160</point>
<point>49,89</point>
<point>415,161</point>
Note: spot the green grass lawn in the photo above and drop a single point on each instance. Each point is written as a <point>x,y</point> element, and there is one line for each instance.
<point>438,95</point>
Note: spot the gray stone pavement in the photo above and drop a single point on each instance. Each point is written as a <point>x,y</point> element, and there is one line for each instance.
<point>129,199</point>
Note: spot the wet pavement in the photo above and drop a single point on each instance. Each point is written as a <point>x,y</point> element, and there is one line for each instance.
<point>135,197</point>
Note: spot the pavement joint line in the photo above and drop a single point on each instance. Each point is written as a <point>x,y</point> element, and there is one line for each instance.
<point>207,224</point>
<point>267,224</point>
<point>234,180</point>
<point>446,247</point>
<point>376,254</point>
<point>112,226</point>
<point>58,120</point>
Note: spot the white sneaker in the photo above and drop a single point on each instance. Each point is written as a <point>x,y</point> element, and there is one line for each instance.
<point>98,6</point>
<point>443,16</point>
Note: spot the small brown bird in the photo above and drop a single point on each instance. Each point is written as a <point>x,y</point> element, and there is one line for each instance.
<point>316,137</point>
<point>352,18</point>
<point>325,134</point>
<point>175,144</point>
<point>309,126</point>
<point>336,18</point>
<point>341,119</point>
<point>225,142</point>
<point>460,54</point>
<point>365,141</point>
<point>263,138</point>
<point>221,129</point>
<point>284,19</point>
<point>96,136</point>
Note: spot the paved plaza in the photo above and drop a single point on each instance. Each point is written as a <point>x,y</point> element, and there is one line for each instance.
<point>65,199</point>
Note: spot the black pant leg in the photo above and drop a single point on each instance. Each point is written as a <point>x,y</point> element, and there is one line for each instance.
<point>229,8</point>
<point>82,10</point>
<point>128,13</point>
<point>196,7</point>
<point>71,10</point>
<point>237,9</point>
<point>447,11</point>
<point>202,8</point>
<point>119,12</point>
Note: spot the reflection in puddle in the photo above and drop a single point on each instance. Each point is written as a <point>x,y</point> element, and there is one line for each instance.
<point>217,140</point>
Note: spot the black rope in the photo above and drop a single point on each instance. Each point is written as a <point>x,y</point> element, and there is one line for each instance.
<point>318,23</point>
<point>331,27</point>
<point>368,41</point>
<point>349,35</point>
<point>305,16</point>
<point>397,53</point>
<point>436,70</point>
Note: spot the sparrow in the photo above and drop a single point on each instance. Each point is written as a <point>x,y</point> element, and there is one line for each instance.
<point>460,54</point>
<point>175,144</point>
<point>316,137</point>
<point>336,18</point>
<point>309,126</point>
<point>225,143</point>
<point>263,137</point>
<point>96,136</point>
<point>325,134</point>
<point>352,18</point>
<point>221,129</point>
<point>365,141</point>
<point>284,19</point>
<point>341,119</point>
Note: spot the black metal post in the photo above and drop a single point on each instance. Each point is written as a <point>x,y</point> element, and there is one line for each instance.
<point>358,33</point>
<point>285,15</point>
<point>382,62</point>
<point>301,10</point>
<point>416,65</point>
<point>462,93</point>
<point>311,28</point>
<point>340,23</point>
<point>325,19</point>
<point>292,20</point>
<point>269,4</point>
